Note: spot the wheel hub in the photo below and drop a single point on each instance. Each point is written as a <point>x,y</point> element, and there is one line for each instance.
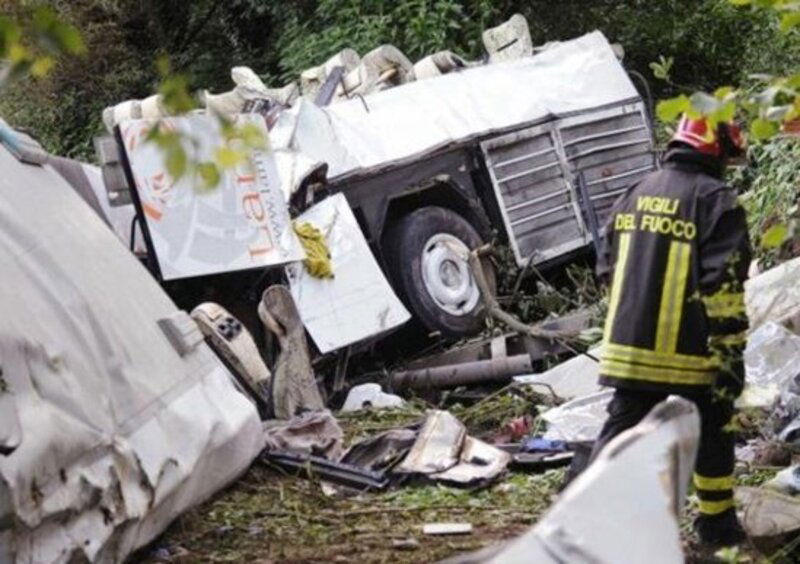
<point>447,276</point>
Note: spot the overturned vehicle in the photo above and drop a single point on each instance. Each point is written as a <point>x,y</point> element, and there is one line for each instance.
<point>531,148</point>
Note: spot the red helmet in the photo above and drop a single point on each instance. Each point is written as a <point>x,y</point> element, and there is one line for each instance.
<point>727,141</point>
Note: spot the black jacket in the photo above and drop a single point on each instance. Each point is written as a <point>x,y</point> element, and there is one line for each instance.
<point>678,249</point>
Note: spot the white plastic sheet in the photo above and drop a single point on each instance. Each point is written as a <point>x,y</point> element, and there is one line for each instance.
<point>579,420</point>
<point>407,121</point>
<point>772,360</point>
<point>119,432</point>
<point>357,303</point>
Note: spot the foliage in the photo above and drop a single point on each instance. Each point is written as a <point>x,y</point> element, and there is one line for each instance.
<point>772,101</point>
<point>772,195</point>
<point>32,39</point>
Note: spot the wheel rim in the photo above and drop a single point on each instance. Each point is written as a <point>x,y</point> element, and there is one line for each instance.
<point>447,276</point>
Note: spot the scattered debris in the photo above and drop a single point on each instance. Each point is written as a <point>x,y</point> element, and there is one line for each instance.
<point>235,345</point>
<point>382,451</point>
<point>786,481</point>
<point>766,513</point>
<point>499,371</point>
<point>447,528</point>
<point>313,432</point>
<point>294,388</point>
<point>317,467</point>
<point>651,463</point>
<point>370,396</point>
<point>572,379</point>
<point>578,420</point>
<point>774,295</point>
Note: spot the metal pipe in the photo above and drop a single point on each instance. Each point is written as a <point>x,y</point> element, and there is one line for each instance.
<point>497,370</point>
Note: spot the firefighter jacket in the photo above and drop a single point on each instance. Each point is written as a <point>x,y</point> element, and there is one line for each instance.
<point>677,251</point>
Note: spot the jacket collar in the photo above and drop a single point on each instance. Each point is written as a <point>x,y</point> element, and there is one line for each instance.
<point>685,158</point>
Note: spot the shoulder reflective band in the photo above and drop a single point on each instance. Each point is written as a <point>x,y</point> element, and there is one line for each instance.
<point>619,280</point>
<point>672,297</point>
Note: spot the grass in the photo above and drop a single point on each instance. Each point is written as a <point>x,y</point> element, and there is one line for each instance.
<point>266,517</point>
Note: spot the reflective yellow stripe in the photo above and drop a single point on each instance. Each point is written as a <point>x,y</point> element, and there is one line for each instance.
<point>672,294</point>
<point>625,353</point>
<point>715,507</point>
<point>713,484</point>
<point>729,340</point>
<point>610,367</point>
<point>619,280</point>
<point>724,304</point>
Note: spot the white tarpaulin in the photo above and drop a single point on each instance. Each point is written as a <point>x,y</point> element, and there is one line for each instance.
<point>357,302</point>
<point>241,223</point>
<point>406,121</point>
<point>119,433</point>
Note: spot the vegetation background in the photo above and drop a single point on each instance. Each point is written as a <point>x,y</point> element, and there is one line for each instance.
<point>713,43</point>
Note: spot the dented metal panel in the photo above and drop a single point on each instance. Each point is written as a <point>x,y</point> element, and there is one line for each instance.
<point>533,172</point>
<point>118,433</point>
<point>537,200</point>
<point>613,148</point>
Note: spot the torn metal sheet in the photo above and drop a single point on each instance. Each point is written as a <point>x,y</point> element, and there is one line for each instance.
<point>381,451</point>
<point>572,379</point>
<point>444,452</point>
<point>578,420</point>
<point>243,223</point>
<point>119,433</point>
<point>314,432</point>
<point>358,303</point>
<point>438,445</point>
<point>478,462</point>
<point>625,506</point>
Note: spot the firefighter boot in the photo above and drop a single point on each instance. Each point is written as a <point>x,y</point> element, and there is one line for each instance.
<point>720,530</point>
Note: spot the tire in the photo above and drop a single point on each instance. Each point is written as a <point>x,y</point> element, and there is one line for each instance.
<point>424,251</point>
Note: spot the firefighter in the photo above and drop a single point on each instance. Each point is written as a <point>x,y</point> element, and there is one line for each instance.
<point>677,253</point>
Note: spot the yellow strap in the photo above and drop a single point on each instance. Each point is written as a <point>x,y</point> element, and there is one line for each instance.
<point>318,258</point>
<point>713,484</point>
<point>619,281</point>
<point>724,304</point>
<point>629,354</point>
<point>610,367</point>
<point>672,297</point>
<point>715,507</point>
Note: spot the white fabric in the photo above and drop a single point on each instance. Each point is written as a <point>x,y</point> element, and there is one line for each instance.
<point>416,118</point>
<point>120,434</point>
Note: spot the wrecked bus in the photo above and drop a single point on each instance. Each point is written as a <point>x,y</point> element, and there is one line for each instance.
<point>532,151</point>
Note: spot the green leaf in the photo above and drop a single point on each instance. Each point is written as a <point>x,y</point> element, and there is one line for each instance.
<point>775,236</point>
<point>724,93</point>
<point>669,110</point>
<point>763,129</point>
<point>789,21</point>
<point>209,174</point>
<point>228,158</point>
<point>176,162</point>
<point>253,136</point>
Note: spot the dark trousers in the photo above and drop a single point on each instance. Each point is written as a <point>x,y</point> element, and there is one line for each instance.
<point>715,458</point>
